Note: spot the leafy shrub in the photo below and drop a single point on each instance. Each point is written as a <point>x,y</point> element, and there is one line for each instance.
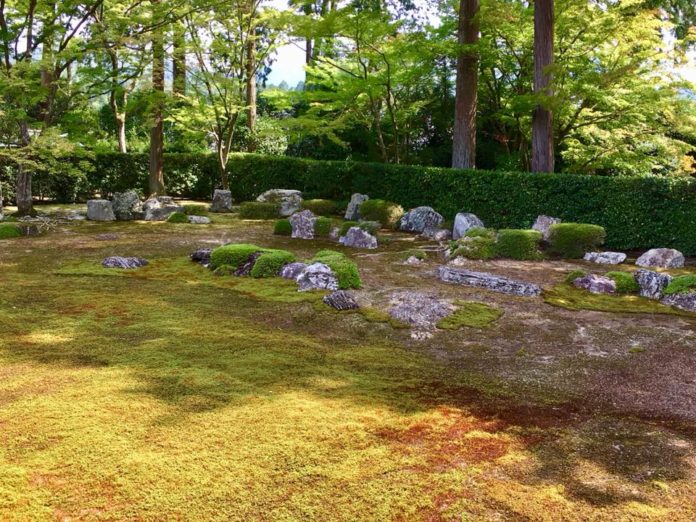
<point>196,210</point>
<point>322,227</point>
<point>573,240</point>
<point>625,282</point>
<point>258,210</point>
<point>575,274</point>
<point>477,247</point>
<point>177,217</point>
<point>418,254</point>
<point>384,212</point>
<point>346,226</point>
<point>282,227</point>
<point>681,284</point>
<point>346,270</point>
<point>518,244</point>
<point>9,230</point>
<point>232,255</point>
<point>270,263</point>
<point>480,232</point>
<point>321,207</point>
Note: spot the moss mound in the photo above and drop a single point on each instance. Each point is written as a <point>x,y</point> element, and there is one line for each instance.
<point>573,240</point>
<point>346,270</point>
<point>322,227</point>
<point>681,284</point>
<point>282,227</point>
<point>177,217</point>
<point>9,230</point>
<point>258,210</point>
<point>270,263</point>
<point>232,255</point>
<point>625,282</point>
<point>471,315</point>
<point>196,210</point>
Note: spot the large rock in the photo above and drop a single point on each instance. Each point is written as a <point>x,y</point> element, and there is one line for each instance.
<point>685,301</point>
<point>341,300</point>
<point>317,276</point>
<point>353,210</point>
<point>463,222</point>
<point>652,284</point>
<point>123,262</point>
<point>488,281</point>
<point>605,258</point>
<point>543,224</point>
<point>222,201</point>
<point>160,208</point>
<point>661,258</point>
<point>303,224</point>
<point>199,220</point>
<point>292,270</point>
<point>127,205</point>
<point>420,219</point>
<point>418,309</point>
<point>289,201</point>
<point>596,284</point>
<point>356,237</point>
<point>100,210</point>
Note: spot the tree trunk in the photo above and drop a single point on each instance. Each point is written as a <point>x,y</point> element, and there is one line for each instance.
<point>23,195</point>
<point>157,131</point>
<point>542,120</point>
<point>179,59</point>
<point>251,91</point>
<point>464,139</point>
<point>121,132</point>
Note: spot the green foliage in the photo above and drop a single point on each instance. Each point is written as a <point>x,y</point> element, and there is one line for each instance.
<point>625,282</point>
<point>573,240</point>
<point>384,212</point>
<point>196,210</point>
<point>177,217</point>
<point>282,227</point>
<point>681,284</point>
<point>258,210</point>
<point>346,270</point>
<point>270,263</point>
<point>368,226</point>
<point>9,230</point>
<point>481,232</point>
<point>347,225</point>
<point>472,315</point>
<point>232,255</point>
<point>476,247</point>
<point>575,274</point>
<point>321,207</point>
<point>518,244</point>
<point>322,227</point>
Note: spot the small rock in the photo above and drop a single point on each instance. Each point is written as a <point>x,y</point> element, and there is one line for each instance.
<point>289,201</point>
<point>543,224</point>
<point>463,222</point>
<point>413,260</point>
<point>160,208</point>
<point>419,219</point>
<point>199,220</point>
<point>685,301</point>
<point>341,300</point>
<point>353,210</point>
<point>100,210</point>
<point>222,201</point>
<point>605,258</point>
<point>75,215</point>
<point>335,233</point>
<point>124,262</point>
<point>126,205</point>
<point>596,284</point>
<point>202,256</point>
<point>245,268</point>
<point>437,234</point>
<point>303,224</point>
<point>661,258</point>
<point>488,282</point>
<point>107,237</point>
<point>652,284</point>
<point>317,276</point>
<point>356,237</point>
<point>292,270</point>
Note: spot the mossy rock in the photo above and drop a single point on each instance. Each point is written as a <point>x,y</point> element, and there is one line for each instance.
<point>177,217</point>
<point>9,230</point>
<point>681,284</point>
<point>346,271</point>
<point>470,315</point>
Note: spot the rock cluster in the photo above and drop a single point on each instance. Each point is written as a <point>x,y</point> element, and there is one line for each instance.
<point>124,262</point>
<point>289,201</point>
<point>488,282</point>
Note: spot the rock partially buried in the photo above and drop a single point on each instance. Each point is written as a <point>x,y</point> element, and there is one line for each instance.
<point>127,206</point>
<point>543,224</point>
<point>317,276</point>
<point>160,208</point>
<point>437,234</point>
<point>488,281</point>
<point>222,201</point>
<point>596,284</point>
<point>661,258</point>
<point>245,268</point>
<point>292,270</point>
<point>341,300</point>
<point>605,258</point>
<point>202,256</point>
<point>124,262</point>
<point>100,210</point>
<point>353,210</point>
<point>289,201</point>
<point>199,220</point>
<point>420,219</point>
<point>356,237</point>
<point>302,225</point>
<point>685,301</point>
<point>418,309</point>
<point>652,284</point>
<point>463,222</point>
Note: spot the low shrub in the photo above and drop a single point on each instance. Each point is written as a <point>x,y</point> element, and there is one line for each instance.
<point>322,227</point>
<point>346,270</point>
<point>282,227</point>
<point>418,254</point>
<point>232,255</point>
<point>477,247</point>
<point>368,226</point>
<point>480,232</point>
<point>270,263</point>
<point>575,274</point>
<point>321,207</point>
<point>518,244</point>
<point>573,240</point>
<point>258,210</point>
<point>346,226</point>
<point>681,284</point>
<point>196,210</point>
<point>177,217</point>
<point>9,230</point>
<point>384,212</point>
<point>625,282</point>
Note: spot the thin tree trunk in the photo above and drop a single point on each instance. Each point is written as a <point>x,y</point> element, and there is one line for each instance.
<point>464,138</point>
<point>157,131</point>
<point>121,132</point>
<point>542,120</point>
<point>251,91</point>
<point>179,59</point>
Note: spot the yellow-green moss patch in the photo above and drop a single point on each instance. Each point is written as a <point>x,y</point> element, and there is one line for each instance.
<point>471,315</point>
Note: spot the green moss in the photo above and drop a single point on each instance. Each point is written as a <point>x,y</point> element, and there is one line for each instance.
<point>518,244</point>
<point>177,217</point>
<point>9,230</point>
<point>681,284</point>
<point>573,240</point>
<point>282,227</point>
<point>322,227</point>
<point>625,282</point>
<point>575,274</point>
<point>258,210</point>
<point>384,212</point>
<point>321,207</point>
<point>347,225</point>
<point>417,253</point>
<point>277,290</point>
<point>232,255</point>
<point>472,315</point>
<point>481,232</point>
<point>375,315</point>
<point>475,247</point>
<point>196,210</point>
<point>225,270</point>
<point>346,270</point>
<point>270,263</point>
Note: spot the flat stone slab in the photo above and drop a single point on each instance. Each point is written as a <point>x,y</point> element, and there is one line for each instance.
<point>341,300</point>
<point>124,262</point>
<point>487,281</point>
<point>605,258</point>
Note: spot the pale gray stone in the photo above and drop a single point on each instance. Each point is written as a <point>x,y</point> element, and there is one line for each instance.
<point>356,237</point>
<point>317,276</point>
<point>652,284</point>
<point>419,219</point>
<point>292,270</point>
<point>124,262</point>
<point>341,300</point>
<point>684,301</point>
<point>463,222</point>
<point>222,201</point>
<point>488,282</point>
<point>160,208</point>
<point>289,201</point>
<point>605,258</point>
<point>303,224</point>
<point>100,210</point>
<point>199,220</point>
<point>596,284</point>
<point>661,258</point>
<point>418,309</point>
<point>353,210</point>
<point>437,234</point>
<point>543,224</point>
<point>127,205</point>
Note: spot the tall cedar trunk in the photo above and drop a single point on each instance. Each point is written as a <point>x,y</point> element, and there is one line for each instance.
<point>157,131</point>
<point>542,121</point>
<point>464,139</point>
<point>179,59</point>
<point>23,189</point>
<point>251,90</point>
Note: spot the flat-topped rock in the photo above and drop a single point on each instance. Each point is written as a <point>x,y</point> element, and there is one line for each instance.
<point>100,210</point>
<point>302,224</point>
<point>605,258</point>
<point>341,300</point>
<point>543,224</point>
<point>317,276</point>
<point>596,284</point>
<point>160,208</point>
<point>356,237</point>
<point>199,220</point>
<point>124,262</point>
<point>353,210</point>
<point>685,301</point>
<point>652,284</point>
<point>463,222</point>
<point>487,281</point>
<point>222,201</point>
<point>201,256</point>
<point>289,201</point>
<point>420,219</point>
<point>661,258</point>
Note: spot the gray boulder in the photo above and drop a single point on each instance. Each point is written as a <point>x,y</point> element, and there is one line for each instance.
<point>356,237</point>
<point>685,301</point>
<point>488,281</point>
<point>543,224</point>
<point>303,224</point>
<point>596,284</point>
<point>289,201</point>
<point>160,208</point>
<point>605,258</point>
<point>652,284</point>
<point>123,262</point>
<point>127,205</point>
<point>463,222</point>
<point>353,210</point>
<point>661,258</point>
<point>418,309</point>
<point>222,201</point>
<point>341,300</point>
<point>317,276</point>
<point>292,270</point>
<point>199,220</point>
<point>419,219</point>
<point>100,210</point>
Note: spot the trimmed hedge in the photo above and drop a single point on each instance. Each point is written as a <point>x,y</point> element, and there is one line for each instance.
<point>258,210</point>
<point>346,270</point>
<point>282,227</point>
<point>322,227</point>
<point>270,263</point>
<point>518,244</point>
<point>573,240</point>
<point>321,207</point>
